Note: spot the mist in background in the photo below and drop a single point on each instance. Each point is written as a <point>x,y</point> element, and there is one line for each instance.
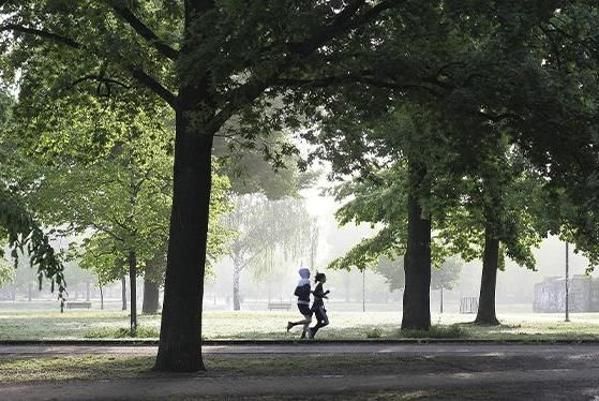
<point>350,290</point>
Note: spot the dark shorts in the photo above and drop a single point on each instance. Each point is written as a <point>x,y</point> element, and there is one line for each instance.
<point>304,309</point>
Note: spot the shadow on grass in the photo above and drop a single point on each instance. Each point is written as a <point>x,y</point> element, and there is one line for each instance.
<point>62,368</point>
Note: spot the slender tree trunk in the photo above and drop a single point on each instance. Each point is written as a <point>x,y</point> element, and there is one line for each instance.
<point>87,284</point>
<point>29,292</point>
<point>101,298</point>
<point>181,329</point>
<point>417,260</point>
<point>441,300</point>
<point>124,293</point>
<point>133,291</point>
<point>153,278</point>
<point>236,300</point>
<point>151,296</point>
<point>488,283</point>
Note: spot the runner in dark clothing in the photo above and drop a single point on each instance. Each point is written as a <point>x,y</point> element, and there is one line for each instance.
<point>318,308</point>
<point>302,292</point>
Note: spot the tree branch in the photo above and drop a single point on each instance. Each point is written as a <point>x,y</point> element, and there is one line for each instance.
<point>138,74</point>
<point>249,91</point>
<point>324,82</point>
<point>346,19</point>
<point>99,78</point>
<point>107,231</point>
<point>373,13</point>
<point>329,31</point>
<point>499,117</point>
<point>143,30</point>
<point>152,84</point>
<point>42,34</point>
<point>245,94</point>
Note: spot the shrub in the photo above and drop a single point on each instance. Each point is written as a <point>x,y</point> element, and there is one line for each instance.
<point>122,332</point>
<point>374,333</point>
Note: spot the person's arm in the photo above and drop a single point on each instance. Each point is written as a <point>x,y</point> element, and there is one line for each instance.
<point>319,293</point>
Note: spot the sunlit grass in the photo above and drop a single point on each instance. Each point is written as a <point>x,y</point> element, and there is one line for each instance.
<point>63,368</point>
<point>250,325</point>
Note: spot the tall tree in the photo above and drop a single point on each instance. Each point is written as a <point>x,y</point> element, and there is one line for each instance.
<point>485,73</point>
<point>124,201</point>
<point>405,197</point>
<point>262,229</point>
<point>208,60</point>
<point>443,277</point>
<point>18,225</point>
<point>225,57</point>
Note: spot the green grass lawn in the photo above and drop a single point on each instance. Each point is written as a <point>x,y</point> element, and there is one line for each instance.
<point>99,367</point>
<point>27,371</point>
<point>60,369</point>
<point>43,325</point>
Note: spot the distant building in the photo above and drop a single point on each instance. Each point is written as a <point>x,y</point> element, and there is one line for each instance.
<point>550,295</point>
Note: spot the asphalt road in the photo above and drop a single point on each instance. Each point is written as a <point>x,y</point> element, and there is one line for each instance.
<point>548,350</point>
<point>437,372</point>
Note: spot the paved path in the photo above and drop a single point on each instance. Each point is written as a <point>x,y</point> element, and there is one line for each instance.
<point>581,350</point>
<point>516,371</point>
<point>224,388</point>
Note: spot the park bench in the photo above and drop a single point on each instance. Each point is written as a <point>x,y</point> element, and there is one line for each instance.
<point>468,305</point>
<point>79,305</point>
<point>278,306</point>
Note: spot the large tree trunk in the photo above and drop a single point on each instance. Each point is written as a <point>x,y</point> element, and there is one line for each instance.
<point>181,329</point>
<point>124,293</point>
<point>151,296</point>
<point>236,300</point>
<point>417,260</point>
<point>488,283</point>
<point>133,291</point>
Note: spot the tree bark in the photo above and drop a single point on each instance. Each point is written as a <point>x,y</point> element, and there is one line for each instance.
<point>181,328</point>
<point>488,283</point>
<point>441,300</point>
<point>236,300</point>
<point>101,298</point>
<point>124,293</point>
<point>153,279</point>
<point>417,260</point>
<point>133,291</point>
<point>151,296</point>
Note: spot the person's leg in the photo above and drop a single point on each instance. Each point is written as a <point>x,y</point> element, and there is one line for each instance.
<point>306,312</point>
<point>306,328</point>
<point>321,321</point>
<point>304,321</point>
<point>325,319</point>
